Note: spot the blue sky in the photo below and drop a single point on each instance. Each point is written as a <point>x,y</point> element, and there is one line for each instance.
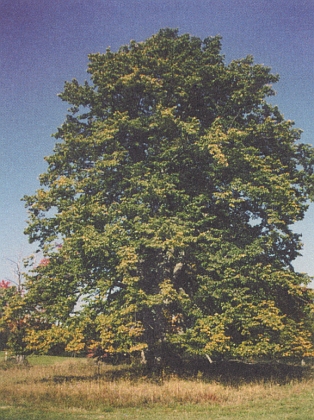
<point>43,43</point>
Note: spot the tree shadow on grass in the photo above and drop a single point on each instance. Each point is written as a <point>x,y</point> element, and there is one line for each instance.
<point>232,373</point>
<point>238,372</point>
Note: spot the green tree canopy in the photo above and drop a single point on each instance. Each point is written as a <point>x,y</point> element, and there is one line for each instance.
<point>167,206</point>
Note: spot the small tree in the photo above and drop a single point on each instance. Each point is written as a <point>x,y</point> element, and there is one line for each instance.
<point>172,194</point>
<point>13,321</point>
<point>4,284</point>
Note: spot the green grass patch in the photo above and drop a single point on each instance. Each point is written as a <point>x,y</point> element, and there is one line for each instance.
<point>298,409</point>
<point>47,360</point>
<point>41,360</point>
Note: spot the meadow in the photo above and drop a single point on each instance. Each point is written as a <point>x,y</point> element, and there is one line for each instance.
<point>50,387</point>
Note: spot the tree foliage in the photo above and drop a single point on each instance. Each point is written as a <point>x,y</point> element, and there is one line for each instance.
<point>166,210</point>
<point>14,320</point>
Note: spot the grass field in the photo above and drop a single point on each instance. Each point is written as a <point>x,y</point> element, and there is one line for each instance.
<point>52,388</point>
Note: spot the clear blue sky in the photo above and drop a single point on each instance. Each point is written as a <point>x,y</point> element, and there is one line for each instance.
<point>43,43</point>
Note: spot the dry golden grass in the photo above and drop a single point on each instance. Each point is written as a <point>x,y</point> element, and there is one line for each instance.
<point>79,385</point>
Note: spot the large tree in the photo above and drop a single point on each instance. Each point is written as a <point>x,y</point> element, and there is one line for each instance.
<point>165,213</point>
